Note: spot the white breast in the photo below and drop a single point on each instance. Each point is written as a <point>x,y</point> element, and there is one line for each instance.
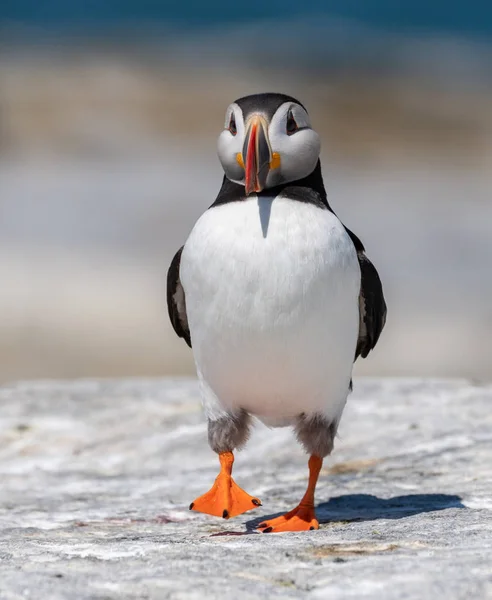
<point>272,292</point>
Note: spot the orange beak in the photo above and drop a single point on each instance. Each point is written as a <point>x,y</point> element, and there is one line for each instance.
<point>257,155</point>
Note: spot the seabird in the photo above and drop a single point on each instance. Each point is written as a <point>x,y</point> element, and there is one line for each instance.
<point>276,296</point>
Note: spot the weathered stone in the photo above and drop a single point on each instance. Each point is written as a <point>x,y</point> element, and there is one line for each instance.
<point>96,479</point>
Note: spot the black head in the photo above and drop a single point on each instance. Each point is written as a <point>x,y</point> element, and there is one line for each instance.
<point>267,141</point>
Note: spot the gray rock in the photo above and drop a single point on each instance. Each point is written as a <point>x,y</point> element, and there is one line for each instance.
<point>96,478</point>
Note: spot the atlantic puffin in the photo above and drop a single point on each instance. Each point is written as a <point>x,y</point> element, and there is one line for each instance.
<point>276,297</point>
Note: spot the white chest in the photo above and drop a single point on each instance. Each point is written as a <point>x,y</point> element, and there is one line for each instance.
<point>271,292</point>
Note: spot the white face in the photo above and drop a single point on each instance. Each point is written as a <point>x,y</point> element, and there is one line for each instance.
<point>262,153</point>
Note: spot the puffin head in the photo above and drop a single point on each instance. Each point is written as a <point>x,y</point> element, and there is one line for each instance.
<point>267,141</point>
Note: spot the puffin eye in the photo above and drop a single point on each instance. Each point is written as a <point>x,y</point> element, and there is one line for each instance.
<point>292,126</point>
<point>232,125</point>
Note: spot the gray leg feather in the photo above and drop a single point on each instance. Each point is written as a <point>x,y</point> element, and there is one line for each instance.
<point>316,434</point>
<point>228,433</point>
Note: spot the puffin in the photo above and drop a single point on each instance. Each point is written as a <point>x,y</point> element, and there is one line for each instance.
<point>276,298</point>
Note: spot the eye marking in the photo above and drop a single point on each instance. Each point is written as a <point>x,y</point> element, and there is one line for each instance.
<point>292,125</point>
<point>232,125</point>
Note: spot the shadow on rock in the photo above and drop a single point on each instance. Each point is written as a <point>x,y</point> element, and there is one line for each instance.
<point>364,507</point>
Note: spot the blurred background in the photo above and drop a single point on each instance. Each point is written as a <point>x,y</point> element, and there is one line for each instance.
<point>109,113</point>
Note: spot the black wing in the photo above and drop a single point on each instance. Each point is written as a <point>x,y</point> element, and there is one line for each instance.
<point>372,307</point>
<point>176,304</point>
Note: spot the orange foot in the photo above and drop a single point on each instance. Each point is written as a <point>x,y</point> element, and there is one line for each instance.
<point>302,518</point>
<point>225,499</point>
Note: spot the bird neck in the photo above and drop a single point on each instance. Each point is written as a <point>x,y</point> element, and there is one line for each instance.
<point>234,192</point>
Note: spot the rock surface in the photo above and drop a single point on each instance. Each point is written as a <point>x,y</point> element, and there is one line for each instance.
<point>96,478</point>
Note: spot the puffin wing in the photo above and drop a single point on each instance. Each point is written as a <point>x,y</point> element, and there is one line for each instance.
<point>176,303</point>
<point>372,306</point>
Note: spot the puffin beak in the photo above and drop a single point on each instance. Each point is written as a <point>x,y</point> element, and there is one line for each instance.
<point>257,154</point>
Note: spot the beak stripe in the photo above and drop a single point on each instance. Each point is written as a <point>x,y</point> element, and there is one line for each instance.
<point>257,155</point>
<point>251,175</point>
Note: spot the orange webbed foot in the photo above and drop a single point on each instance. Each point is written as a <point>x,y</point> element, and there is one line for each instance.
<point>225,498</point>
<point>302,518</point>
